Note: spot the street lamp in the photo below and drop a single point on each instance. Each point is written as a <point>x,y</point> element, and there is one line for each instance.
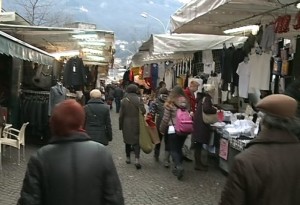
<point>146,15</point>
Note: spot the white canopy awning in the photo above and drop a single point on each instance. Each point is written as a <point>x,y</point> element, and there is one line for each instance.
<point>97,46</point>
<point>215,16</point>
<point>192,42</point>
<point>181,46</point>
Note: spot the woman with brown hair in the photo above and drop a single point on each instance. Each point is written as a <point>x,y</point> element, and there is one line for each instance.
<point>176,100</point>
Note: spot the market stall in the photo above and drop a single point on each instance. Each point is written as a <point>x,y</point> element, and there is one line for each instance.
<point>175,55</point>
<point>266,63</point>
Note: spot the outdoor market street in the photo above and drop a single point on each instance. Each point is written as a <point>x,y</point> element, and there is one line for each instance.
<point>152,185</point>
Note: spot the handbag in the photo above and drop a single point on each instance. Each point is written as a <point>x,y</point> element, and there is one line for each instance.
<point>145,137</point>
<point>152,129</point>
<point>209,118</point>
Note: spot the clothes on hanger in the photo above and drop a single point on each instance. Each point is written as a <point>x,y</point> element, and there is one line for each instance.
<point>74,73</point>
<point>57,94</point>
<point>244,72</point>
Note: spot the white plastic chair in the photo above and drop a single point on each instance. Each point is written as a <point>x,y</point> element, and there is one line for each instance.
<point>15,138</point>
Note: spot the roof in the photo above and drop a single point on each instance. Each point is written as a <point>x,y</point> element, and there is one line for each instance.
<point>19,20</point>
<point>215,16</point>
<point>180,46</point>
<point>58,39</point>
<point>12,46</point>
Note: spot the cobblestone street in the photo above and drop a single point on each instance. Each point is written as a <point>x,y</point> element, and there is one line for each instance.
<point>152,185</point>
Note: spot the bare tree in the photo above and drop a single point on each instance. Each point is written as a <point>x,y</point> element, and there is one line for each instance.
<point>42,12</point>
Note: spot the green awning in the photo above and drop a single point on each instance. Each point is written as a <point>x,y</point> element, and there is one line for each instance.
<point>14,47</point>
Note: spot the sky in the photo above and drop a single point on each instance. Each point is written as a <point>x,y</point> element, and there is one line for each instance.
<point>121,16</point>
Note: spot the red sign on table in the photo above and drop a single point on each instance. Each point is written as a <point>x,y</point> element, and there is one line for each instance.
<point>223,153</point>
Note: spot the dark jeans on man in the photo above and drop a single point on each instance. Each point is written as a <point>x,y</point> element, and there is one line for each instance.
<point>176,143</point>
<point>118,104</point>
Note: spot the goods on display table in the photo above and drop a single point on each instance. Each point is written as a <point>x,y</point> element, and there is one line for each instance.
<point>233,137</point>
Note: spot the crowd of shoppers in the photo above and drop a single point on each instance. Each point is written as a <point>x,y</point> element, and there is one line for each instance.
<point>60,174</point>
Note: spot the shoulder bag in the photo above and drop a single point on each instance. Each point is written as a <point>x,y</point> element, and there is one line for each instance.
<point>209,118</point>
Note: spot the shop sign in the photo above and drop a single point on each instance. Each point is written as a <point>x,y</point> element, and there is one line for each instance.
<point>7,16</point>
<point>223,153</point>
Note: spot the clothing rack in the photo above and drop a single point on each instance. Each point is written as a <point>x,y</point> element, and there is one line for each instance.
<point>35,92</point>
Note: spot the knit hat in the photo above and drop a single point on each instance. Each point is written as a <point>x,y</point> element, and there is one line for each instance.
<point>278,105</point>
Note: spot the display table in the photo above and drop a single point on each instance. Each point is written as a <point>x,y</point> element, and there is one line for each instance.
<point>229,144</point>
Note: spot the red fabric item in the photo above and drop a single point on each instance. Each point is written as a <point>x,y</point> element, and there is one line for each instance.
<point>191,98</point>
<point>67,116</point>
<point>131,76</point>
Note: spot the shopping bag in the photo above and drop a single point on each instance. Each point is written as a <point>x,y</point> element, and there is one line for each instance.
<point>209,118</point>
<point>152,129</point>
<point>145,138</point>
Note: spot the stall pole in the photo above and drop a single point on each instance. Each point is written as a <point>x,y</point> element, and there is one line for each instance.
<point>17,70</point>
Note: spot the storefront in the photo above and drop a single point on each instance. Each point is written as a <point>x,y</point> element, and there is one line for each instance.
<point>266,63</point>
<point>15,56</point>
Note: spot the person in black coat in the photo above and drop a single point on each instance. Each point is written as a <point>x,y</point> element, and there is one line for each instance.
<point>118,95</point>
<point>72,169</point>
<point>98,122</point>
<point>202,131</point>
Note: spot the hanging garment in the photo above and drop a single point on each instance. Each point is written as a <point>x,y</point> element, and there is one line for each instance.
<point>57,94</point>
<point>169,75</point>
<point>228,65</point>
<point>146,71</point>
<point>207,56</point>
<point>259,72</point>
<point>209,67</point>
<point>214,81</point>
<point>238,57</point>
<point>161,71</point>
<point>244,77</point>
<point>74,73</point>
<point>296,63</point>
<point>154,75</point>
<point>268,38</point>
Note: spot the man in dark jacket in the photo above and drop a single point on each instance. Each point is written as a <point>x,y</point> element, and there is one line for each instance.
<point>267,172</point>
<point>98,122</point>
<point>118,95</point>
<point>72,169</point>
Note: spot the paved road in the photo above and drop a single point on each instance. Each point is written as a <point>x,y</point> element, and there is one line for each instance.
<point>152,185</point>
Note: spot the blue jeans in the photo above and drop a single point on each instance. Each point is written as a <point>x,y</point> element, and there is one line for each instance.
<point>176,143</point>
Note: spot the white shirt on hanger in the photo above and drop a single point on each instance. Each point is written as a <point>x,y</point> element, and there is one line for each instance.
<point>209,67</point>
<point>169,74</point>
<point>259,72</point>
<point>244,77</point>
<point>207,56</point>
